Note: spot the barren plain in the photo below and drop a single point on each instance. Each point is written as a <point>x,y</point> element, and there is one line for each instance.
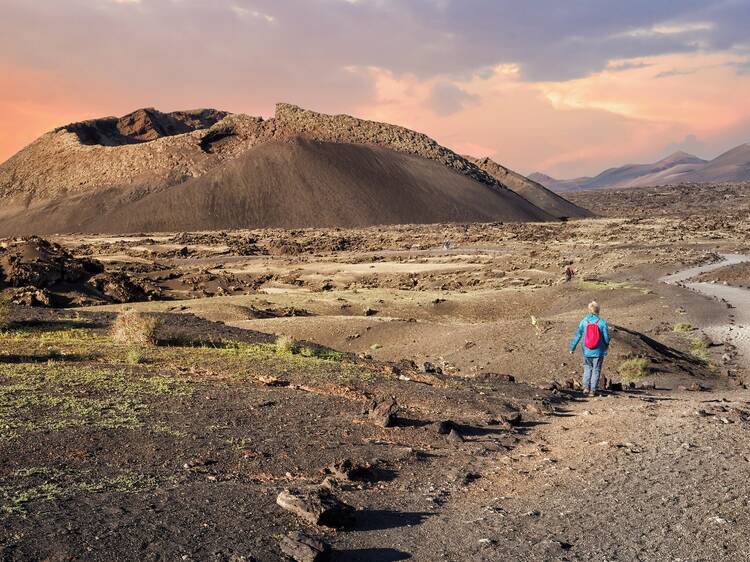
<point>397,392</point>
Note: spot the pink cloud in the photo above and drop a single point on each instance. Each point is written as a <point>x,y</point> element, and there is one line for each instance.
<point>462,76</point>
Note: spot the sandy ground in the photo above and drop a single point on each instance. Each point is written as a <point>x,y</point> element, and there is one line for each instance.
<point>636,477</point>
<point>737,329</point>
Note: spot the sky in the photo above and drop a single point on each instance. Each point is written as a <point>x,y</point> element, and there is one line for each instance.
<point>563,87</point>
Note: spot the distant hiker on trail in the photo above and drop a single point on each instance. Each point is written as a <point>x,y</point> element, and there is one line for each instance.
<point>595,334</point>
<point>569,273</point>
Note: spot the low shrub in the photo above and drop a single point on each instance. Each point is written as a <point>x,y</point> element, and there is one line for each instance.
<point>135,356</point>
<point>285,345</point>
<point>699,348</point>
<point>634,369</point>
<point>135,328</point>
<point>4,312</point>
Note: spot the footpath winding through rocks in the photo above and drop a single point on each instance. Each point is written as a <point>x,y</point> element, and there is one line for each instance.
<point>737,330</point>
<point>646,476</point>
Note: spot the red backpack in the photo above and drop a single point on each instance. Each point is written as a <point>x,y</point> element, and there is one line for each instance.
<point>591,338</point>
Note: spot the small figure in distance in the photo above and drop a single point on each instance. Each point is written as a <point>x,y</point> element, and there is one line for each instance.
<point>595,334</point>
<point>569,273</point>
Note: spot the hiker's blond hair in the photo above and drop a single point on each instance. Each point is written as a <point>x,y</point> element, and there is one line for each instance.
<point>594,307</point>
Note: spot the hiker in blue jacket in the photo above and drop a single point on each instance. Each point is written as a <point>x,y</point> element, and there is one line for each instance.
<point>595,334</point>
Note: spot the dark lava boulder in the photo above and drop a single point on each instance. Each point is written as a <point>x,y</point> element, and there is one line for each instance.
<point>36,262</point>
<point>118,287</point>
<point>38,272</point>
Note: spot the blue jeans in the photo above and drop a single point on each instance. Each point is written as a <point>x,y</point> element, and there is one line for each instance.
<point>592,369</point>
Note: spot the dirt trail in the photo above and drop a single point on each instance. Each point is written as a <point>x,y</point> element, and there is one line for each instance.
<point>625,477</point>
<point>737,330</point>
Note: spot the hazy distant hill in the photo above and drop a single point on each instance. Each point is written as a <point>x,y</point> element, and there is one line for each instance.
<point>732,166</point>
<point>680,167</point>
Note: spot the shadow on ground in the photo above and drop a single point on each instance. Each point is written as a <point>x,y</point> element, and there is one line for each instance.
<point>370,555</point>
<point>43,358</point>
<point>378,520</point>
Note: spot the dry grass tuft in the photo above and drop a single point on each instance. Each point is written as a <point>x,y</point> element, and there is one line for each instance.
<point>633,370</point>
<point>135,328</point>
<point>135,355</point>
<point>285,345</point>
<point>4,312</point>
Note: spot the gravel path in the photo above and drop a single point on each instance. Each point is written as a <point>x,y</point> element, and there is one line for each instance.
<point>633,476</point>
<point>622,478</point>
<point>737,330</point>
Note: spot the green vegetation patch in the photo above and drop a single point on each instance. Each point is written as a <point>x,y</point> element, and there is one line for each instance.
<point>328,355</point>
<point>272,354</point>
<point>634,369</point>
<point>35,484</point>
<point>55,396</point>
<point>250,359</point>
<point>64,340</point>
<point>54,333</point>
<point>287,347</point>
<point>284,353</point>
<point>682,328</point>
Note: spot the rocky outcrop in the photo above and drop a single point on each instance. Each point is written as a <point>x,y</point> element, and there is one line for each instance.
<point>317,506</point>
<point>143,125</point>
<point>41,264</point>
<point>37,272</point>
<point>293,121</point>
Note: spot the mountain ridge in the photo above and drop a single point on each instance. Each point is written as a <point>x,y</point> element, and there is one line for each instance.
<point>97,168</point>
<point>679,167</point>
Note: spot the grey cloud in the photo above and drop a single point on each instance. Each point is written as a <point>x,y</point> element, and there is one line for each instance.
<point>691,144</point>
<point>742,67</point>
<point>302,49</point>
<point>676,72</point>
<point>620,67</point>
<point>447,98</point>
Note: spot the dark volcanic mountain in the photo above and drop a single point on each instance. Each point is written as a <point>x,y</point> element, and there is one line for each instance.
<point>208,169</point>
<point>680,167</point>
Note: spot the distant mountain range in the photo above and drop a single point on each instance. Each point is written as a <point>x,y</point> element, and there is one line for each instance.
<point>680,167</point>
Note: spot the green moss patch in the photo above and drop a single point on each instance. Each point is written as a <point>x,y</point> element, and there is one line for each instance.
<point>52,397</point>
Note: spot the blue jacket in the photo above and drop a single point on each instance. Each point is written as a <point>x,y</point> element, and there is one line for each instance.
<point>601,349</point>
